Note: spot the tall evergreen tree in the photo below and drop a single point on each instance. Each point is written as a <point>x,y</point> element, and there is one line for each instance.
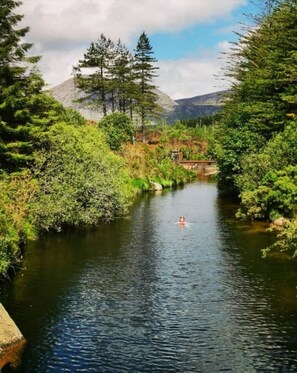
<point>92,74</point>
<point>122,76</point>
<point>263,97</point>
<point>20,92</point>
<point>25,111</point>
<point>145,72</point>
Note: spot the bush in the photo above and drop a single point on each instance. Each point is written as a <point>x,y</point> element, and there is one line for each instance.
<point>276,196</point>
<point>81,180</point>
<point>280,152</point>
<point>16,227</point>
<point>141,184</point>
<point>118,129</point>
<point>286,239</point>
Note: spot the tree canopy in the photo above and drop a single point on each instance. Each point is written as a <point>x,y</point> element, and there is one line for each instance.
<point>113,80</point>
<point>24,109</point>
<point>263,99</point>
<point>145,72</point>
<point>256,153</point>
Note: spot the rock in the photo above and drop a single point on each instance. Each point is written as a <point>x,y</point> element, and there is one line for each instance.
<point>11,340</point>
<point>156,186</point>
<point>12,355</point>
<point>9,332</point>
<point>279,222</point>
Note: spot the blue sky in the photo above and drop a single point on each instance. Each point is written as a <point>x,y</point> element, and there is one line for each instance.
<point>197,38</point>
<point>187,36</point>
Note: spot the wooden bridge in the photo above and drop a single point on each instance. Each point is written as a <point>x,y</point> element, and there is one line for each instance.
<point>205,166</point>
<point>199,165</point>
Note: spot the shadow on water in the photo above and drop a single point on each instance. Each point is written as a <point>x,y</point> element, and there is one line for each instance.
<point>143,294</point>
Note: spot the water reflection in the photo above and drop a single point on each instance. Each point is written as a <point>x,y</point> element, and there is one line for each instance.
<point>143,295</point>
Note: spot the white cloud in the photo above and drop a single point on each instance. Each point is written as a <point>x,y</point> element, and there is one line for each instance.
<point>62,30</point>
<point>190,77</point>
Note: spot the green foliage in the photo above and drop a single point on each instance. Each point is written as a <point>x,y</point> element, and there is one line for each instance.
<point>162,169</point>
<point>72,117</point>
<point>118,129</point>
<point>263,98</point>
<point>279,152</point>
<point>177,131</point>
<point>286,239</point>
<point>233,147</point>
<point>190,154</point>
<point>21,98</point>
<point>122,80</point>
<point>81,181</point>
<point>141,184</point>
<point>145,71</point>
<point>96,83</point>
<point>206,120</point>
<point>25,110</point>
<point>113,80</point>
<point>16,192</point>
<point>275,196</point>
<point>257,153</point>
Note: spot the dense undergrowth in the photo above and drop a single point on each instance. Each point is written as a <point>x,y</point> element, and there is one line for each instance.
<point>152,161</point>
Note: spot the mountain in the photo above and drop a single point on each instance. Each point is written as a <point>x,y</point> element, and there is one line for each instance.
<point>210,99</point>
<point>185,108</point>
<point>198,106</point>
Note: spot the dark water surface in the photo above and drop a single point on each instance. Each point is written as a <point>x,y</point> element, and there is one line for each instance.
<point>145,295</point>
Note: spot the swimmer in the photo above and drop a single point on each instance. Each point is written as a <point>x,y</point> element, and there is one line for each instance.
<point>182,220</point>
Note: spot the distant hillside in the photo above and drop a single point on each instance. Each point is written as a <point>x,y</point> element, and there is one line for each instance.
<point>198,106</point>
<point>185,108</point>
<point>214,99</point>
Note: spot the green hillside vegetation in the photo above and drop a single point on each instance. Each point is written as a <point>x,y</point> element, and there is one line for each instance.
<point>257,153</point>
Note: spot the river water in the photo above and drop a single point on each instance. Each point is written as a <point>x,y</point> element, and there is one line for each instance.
<point>143,294</point>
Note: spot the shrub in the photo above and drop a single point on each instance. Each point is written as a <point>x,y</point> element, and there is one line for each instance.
<point>81,180</point>
<point>16,192</point>
<point>118,129</point>
<point>286,239</point>
<point>276,196</point>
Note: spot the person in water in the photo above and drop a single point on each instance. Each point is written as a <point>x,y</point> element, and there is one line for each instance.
<point>182,220</point>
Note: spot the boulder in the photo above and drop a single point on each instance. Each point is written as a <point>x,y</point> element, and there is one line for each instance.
<point>9,332</point>
<point>279,222</point>
<point>11,340</point>
<point>156,186</point>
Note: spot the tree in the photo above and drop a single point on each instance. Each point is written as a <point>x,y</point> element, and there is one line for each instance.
<point>263,98</point>
<point>20,91</point>
<point>145,72</point>
<point>15,146</point>
<point>122,77</point>
<point>92,74</point>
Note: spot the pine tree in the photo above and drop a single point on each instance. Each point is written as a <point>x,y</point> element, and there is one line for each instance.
<point>145,72</point>
<point>92,74</point>
<point>122,77</point>
<point>263,98</point>
<point>20,85</point>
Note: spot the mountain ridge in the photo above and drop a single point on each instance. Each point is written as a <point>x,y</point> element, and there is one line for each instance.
<point>174,110</point>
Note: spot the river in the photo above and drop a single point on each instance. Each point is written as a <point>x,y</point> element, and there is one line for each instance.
<point>143,294</point>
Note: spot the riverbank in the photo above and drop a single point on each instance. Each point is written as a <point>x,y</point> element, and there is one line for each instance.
<point>155,162</point>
